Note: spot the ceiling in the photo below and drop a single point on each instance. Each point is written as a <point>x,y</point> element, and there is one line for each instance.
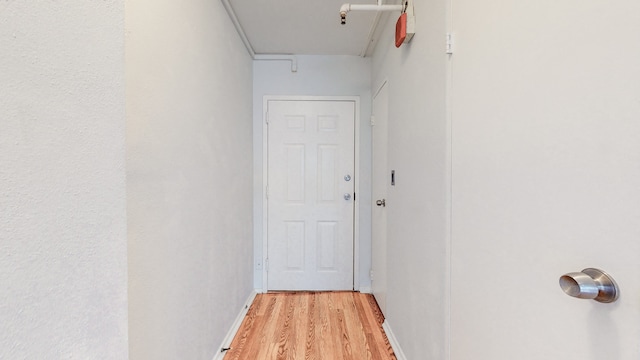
<point>305,27</point>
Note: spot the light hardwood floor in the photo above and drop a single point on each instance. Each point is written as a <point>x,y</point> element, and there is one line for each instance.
<point>312,325</point>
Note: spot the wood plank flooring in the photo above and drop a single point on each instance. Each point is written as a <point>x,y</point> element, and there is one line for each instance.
<point>312,326</point>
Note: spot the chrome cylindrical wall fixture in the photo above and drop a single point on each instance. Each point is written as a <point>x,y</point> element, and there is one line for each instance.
<point>590,283</point>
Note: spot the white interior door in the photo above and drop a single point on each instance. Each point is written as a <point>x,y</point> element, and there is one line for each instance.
<point>380,181</point>
<point>310,195</point>
<point>546,178</point>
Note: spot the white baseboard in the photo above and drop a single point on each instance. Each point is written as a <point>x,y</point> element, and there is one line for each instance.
<point>393,341</point>
<point>234,327</point>
<point>365,289</point>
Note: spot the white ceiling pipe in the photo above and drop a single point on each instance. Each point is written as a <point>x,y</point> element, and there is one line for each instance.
<point>368,7</point>
<point>292,58</point>
<point>345,8</point>
<point>239,29</point>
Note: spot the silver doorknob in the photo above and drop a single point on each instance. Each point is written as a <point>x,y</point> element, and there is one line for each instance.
<point>590,283</point>
<point>347,196</point>
<point>382,203</point>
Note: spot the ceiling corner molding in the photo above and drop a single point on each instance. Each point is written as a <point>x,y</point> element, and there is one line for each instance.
<point>292,58</point>
<point>236,24</point>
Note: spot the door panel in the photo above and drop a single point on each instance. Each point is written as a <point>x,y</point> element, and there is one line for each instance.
<point>295,173</point>
<point>380,182</point>
<point>310,222</point>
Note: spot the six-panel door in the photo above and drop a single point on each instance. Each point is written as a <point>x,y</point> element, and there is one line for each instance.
<point>310,195</point>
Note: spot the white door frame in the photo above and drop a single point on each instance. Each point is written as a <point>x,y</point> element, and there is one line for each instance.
<point>265,177</point>
<point>375,265</point>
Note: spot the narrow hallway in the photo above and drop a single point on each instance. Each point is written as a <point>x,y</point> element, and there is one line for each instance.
<point>312,325</point>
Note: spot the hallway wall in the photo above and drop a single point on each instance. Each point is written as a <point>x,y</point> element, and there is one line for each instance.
<point>189,188</point>
<point>535,117</point>
<point>418,206</point>
<point>316,76</point>
<point>63,245</point>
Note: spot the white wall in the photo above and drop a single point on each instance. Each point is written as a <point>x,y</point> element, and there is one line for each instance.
<point>316,76</point>
<point>188,177</point>
<point>63,265</point>
<point>546,174</point>
<point>417,207</point>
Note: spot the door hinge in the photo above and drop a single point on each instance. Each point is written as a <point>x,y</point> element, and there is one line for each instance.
<point>449,43</point>
<point>371,275</point>
<point>373,120</point>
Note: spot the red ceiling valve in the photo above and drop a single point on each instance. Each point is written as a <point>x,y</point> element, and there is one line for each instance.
<point>405,26</point>
<point>401,29</point>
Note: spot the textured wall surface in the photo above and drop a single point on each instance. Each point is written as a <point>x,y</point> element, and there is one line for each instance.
<point>316,76</point>
<point>63,284</point>
<point>418,204</point>
<point>188,177</point>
